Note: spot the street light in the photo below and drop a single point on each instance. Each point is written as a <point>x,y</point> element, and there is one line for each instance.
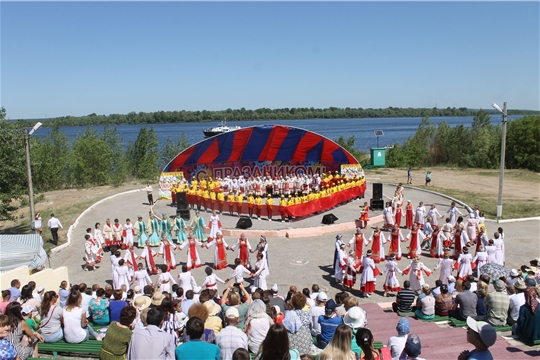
<point>29,171</point>
<point>504,112</point>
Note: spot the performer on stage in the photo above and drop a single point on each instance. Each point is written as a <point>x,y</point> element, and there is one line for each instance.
<point>250,204</point>
<point>140,277</point>
<point>261,272</point>
<point>415,237</point>
<point>148,256</point>
<point>165,279</point>
<point>193,259</point>
<point>452,212</point>
<point>377,240</point>
<point>364,215</point>
<point>239,198</point>
<point>210,282</point>
<point>117,233</point>
<point>127,234</point>
<point>197,227</point>
<point>140,230</point>
<point>359,241</point>
<point>369,273</point>
<point>437,243</point>
<point>447,265</point>
<point>388,214</point>
<point>220,255</point>
<point>395,238</point>
<point>414,270</point>
<point>391,282</point>
<point>269,206</point>
<point>153,228</point>
<point>243,250</point>
<point>349,279</point>
<point>464,263</point>
<point>258,206</point>
<point>283,208</point>
<point>108,233</point>
<point>215,224</point>
<point>409,215</point>
<point>337,246</point>
<point>90,253</point>
<point>166,250</point>
<point>130,259</point>
<point>180,228</point>
<point>420,214</point>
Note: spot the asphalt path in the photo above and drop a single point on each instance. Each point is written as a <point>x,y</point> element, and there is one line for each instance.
<point>292,261</point>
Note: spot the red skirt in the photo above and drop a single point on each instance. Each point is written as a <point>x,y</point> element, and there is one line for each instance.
<point>369,287</point>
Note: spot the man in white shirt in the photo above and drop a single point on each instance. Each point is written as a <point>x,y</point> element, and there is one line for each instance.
<point>317,311</point>
<point>516,302</point>
<point>149,194</point>
<point>54,224</point>
<point>238,272</point>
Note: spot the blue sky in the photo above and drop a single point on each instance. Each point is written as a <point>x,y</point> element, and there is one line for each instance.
<point>73,58</point>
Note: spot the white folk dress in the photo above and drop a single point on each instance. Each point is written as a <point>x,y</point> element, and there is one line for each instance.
<point>446,265</point>
<point>416,274</point>
<point>465,266</point>
<point>141,278</point>
<point>480,259</point>
<point>391,282</point>
<point>261,274</point>
<point>122,273</point>
<point>214,226</point>
<point>499,251</point>
<point>369,273</point>
<point>452,212</point>
<point>164,281</point>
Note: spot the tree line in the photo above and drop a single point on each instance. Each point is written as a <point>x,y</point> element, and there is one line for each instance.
<point>161,117</point>
<point>91,159</point>
<point>478,146</point>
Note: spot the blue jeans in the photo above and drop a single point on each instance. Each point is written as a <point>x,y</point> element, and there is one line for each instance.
<point>54,337</point>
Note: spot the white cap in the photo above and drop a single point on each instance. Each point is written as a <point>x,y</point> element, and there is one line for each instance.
<point>322,296</point>
<point>40,289</point>
<point>451,278</point>
<point>275,288</point>
<point>487,333</point>
<point>232,313</point>
<point>137,289</point>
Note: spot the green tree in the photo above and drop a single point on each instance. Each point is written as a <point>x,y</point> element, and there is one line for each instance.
<point>171,148</point>
<point>92,158</point>
<point>118,167</point>
<point>13,182</point>
<point>348,144</point>
<point>50,161</point>
<point>416,151</point>
<point>523,144</point>
<point>143,154</point>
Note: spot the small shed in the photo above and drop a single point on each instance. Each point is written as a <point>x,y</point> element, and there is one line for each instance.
<point>21,250</point>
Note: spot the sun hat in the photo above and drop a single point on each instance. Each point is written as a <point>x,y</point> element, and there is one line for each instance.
<point>413,346</point>
<point>322,296</point>
<point>142,302</point>
<point>499,285</point>
<point>514,273</point>
<point>157,298</point>
<point>355,317</point>
<point>330,307</point>
<point>487,333</point>
<point>520,284</point>
<point>403,326</point>
<point>232,313</point>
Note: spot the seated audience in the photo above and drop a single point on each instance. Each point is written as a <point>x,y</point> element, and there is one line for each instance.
<point>356,318</point>
<point>444,302</point>
<point>328,323</point>
<point>425,306</point>
<point>116,305</point>
<point>231,338</point>
<point>481,292</point>
<point>516,301</point>
<point>99,308</point>
<point>76,329</point>
<point>19,329</point>
<point>497,305</point>
<point>116,341</point>
<point>151,342</point>
<point>481,335</point>
<point>51,318</point>
<point>257,325</point>
<point>276,344</point>
<point>404,298</point>
<point>412,349</point>
<point>201,312</point>
<point>196,345</point>
<point>364,339</point>
<point>396,344</point>
<point>298,325</point>
<point>7,350</point>
<point>231,298</point>
<point>338,347</point>
<point>465,304</point>
<point>527,327</point>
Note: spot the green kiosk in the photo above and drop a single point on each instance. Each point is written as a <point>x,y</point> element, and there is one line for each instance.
<point>378,157</point>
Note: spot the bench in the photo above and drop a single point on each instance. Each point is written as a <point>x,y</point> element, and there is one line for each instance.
<point>437,318</point>
<point>87,347</point>
<point>459,323</point>
<point>409,313</point>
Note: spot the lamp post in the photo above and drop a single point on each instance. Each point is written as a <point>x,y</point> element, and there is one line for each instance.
<point>504,112</point>
<point>29,170</point>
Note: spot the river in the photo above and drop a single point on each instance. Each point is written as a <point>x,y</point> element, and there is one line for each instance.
<point>396,130</point>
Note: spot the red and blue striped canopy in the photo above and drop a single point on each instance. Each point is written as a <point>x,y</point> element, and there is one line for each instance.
<point>274,143</point>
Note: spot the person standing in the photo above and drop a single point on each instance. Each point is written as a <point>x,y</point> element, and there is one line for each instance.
<point>215,225</point>
<point>447,265</point>
<point>180,228</point>
<point>243,250</point>
<point>359,241</point>
<point>197,227</point>
<point>408,215</point>
<point>148,256</point>
<point>140,230</point>
<point>452,212</point>
<point>416,277</point>
<point>415,237</point>
<point>409,177</point>
<point>261,272</point>
<point>220,255</point>
<point>193,260</point>
<point>53,225</point>
<point>377,240</point>
<point>391,282</point>
<point>395,237</point>
<point>420,214</point>
<point>369,273</point>
<point>149,194</point>
<point>428,178</point>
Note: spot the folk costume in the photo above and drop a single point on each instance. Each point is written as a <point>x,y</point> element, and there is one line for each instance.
<point>180,228</point>
<point>130,258</point>
<point>409,215</point>
<point>153,227</point>
<point>433,213</point>
<point>415,237</point>
<point>148,256</point>
<point>220,254</point>
<point>419,216</point>
<point>141,278</point>
<point>108,233</point>
<point>243,246</point>
<point>117,234</point>
<point>261,273</point>
<point>193,259</point>
<point>416,270</point>
<point>460,241</point>
<point>391,282</point>
<point>437,244</point>
<point>166,250</point>
<point>369,273</point>
<point>140,229</point>
<point>480,259</point>
<point>215,225</point>
<point>377,240</point>
<point>197,227</point>
<point>364,214</point>
<point>342,264</point>
<point>164,281</point>
<point>499,250</point>
<point>464,265</point>
<point>359,241</point>
<point>447,265</point>
<point>123,277</point>
<point>90,253</point>
<point>127,234</point>
<point>337,244</point>
<point>349,279</point>
<point>398,214</point>
<point>388,215</point>
<point>98,236</point>
<point>395,238</point>
<point>210,282</point>
<point>452,212</point>
<point>165,227</point>
<point>114,265</point>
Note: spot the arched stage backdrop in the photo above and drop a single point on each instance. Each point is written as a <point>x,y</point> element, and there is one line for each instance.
<point>255,151</point>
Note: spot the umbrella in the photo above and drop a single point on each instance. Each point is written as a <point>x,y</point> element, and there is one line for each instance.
<point>494,271</point>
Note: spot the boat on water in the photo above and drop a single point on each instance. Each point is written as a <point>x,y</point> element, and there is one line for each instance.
<point>220,129</point>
